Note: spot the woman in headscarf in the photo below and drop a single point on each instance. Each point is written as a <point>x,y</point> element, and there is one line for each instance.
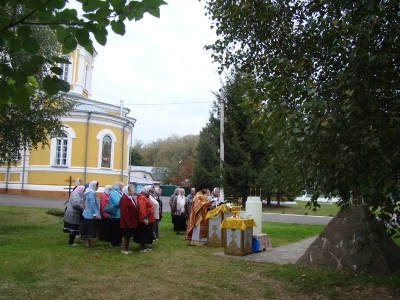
<point>90,214</point>
<point>146,219</point>
<point>129,218</point>
<point>78,182</point>
<point>114,219</point>
<point>214,197</point>
<point>180,211</point>
<point>104,231</point>
<point>171,203</point>
<point>73,214</point>
<point>156,206</point>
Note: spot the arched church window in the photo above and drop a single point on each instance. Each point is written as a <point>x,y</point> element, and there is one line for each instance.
<point>61,153</point>
<point>106,152</point>
<point>66,69</point>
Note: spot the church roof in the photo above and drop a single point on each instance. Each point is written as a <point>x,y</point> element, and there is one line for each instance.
<point>88,107</point>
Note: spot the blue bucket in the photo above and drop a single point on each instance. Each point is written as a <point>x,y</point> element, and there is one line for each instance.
<point>256,245</point>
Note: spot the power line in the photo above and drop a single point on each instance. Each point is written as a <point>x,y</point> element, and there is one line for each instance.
<point>170,103</point>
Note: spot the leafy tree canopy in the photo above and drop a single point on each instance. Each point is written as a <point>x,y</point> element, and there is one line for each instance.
<point>329,76</point>
<point>18,20</point>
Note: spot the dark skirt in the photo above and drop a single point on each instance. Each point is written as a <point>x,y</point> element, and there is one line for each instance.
<point>145,234</point>
<point>128,232</point>
<point>155,228</point>
<point>115,231</point>
<point>88,229</point>
<point>180,223</point>
<point>104,230</point>
<point>71,228</point>
<point>173,218</point>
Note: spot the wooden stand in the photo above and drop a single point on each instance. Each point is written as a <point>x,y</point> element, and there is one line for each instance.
<point>215,237</point>
<point>238,242</point>
<point>238,236</point>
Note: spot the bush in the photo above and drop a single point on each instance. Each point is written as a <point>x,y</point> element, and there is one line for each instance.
<point>56,212</point>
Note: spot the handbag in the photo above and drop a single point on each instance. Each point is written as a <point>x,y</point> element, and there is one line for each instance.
<point>112,210</point>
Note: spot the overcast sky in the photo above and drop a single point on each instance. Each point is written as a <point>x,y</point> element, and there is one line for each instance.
<point>160,61</point>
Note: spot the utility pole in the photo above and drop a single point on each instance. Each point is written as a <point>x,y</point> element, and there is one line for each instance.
<point>221,142</point>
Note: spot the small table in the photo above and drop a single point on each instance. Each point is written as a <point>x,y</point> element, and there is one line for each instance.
<point>215,217</point>
<point>238,238</point>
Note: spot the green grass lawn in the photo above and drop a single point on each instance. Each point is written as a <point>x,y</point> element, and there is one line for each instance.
<point>326,209</point>
<point>37,263</point>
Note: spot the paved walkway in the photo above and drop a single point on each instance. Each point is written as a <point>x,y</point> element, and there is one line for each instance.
<point>289,253</point>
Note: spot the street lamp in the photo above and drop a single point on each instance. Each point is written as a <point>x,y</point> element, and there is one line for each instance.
<point>177,175</point>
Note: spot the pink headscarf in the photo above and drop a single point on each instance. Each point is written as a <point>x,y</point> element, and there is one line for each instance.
<point>79,189</point>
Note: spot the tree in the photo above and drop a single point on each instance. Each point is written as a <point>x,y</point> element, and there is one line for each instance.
<point>246,143</point>
<point>27,130</point>
<point>207,161</point>
<point>24,130</point>
<point>136,157</point>
<point>20,18</point>
<point>329,76</point>
<point>166,155</point>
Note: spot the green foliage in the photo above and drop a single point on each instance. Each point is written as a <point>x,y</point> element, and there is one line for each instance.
<point>166,154</point>
<point>136,157</point>
<point>245,142</point>
<point>25,124</point>
<point>20,19</point>
<point>329,76</point>
<point>30,129</point>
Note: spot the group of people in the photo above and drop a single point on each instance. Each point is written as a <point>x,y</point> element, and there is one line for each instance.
<point>116,217</point>
<point>189,213</point>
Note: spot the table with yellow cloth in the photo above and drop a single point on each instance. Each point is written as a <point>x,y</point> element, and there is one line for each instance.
<point>215,237</point>
<point>238,238</point>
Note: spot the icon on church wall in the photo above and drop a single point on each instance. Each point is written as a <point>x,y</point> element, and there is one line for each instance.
<point>106,153</point>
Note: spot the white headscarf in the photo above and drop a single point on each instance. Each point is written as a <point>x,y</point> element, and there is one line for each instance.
<point>92,187</point>
<point>107,189</point>
<point>146,190</point>
<point>180,204</point>
<point>78,182</point>
<point>125,191</point>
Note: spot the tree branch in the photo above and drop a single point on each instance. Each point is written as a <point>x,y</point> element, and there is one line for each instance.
<point>12,24</point>
<point>52,23</point>
<point>15,11</point>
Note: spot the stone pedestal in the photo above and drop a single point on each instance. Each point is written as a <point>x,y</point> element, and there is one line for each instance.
<point>263,240</point>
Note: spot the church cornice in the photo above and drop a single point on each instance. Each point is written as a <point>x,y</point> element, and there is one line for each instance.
<point>105,119</point>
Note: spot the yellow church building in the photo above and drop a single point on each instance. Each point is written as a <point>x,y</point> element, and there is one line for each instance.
<point>95,145</point>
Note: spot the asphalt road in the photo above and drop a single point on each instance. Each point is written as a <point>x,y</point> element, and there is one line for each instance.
<point>57,203</point>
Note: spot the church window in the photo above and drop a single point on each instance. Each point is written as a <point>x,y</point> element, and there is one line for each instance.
<point>66,69</point>
<point>106,152</point>
<point>61,152</point>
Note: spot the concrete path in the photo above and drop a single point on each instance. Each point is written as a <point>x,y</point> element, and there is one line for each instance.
<point>289,253</point>
<point>298,219</point>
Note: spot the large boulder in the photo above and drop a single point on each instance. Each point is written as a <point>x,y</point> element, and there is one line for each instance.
<point>348,243</point>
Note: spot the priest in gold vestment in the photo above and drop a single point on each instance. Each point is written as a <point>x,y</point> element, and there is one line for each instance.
<point>197,226</point>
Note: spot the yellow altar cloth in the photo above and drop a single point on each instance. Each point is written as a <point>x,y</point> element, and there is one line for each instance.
<point>216,211</point>
<point>238,223</point>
